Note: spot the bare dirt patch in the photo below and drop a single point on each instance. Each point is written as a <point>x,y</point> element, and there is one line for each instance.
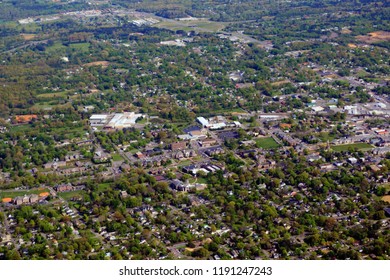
<point>374,37</point>
<point>386,198</point>
<point>97,63</point>
<point>345,31</point>
<point>28,37</point>
<point>352,46</point>
<point>280,83</point>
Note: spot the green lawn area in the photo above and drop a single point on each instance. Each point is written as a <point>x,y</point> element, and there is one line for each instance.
<point>14,193</point>
<point>267,143</point>
<point>347,147</point>
<point>70,133</point>
<point>184,163</point>
<point>57,47</point>
<point>143,121</point>
<point>325,136</point>
<point>201,180</point>
<point>50,105</point>
<point>69,195</point>
<point>20,128</point>
<point>116,157</point>
<point>103,187</point>
<point>80,46</point>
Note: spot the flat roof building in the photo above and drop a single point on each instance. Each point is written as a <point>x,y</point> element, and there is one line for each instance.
<point>203,121</point>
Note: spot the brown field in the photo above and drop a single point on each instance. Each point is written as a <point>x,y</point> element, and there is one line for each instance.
<point>98,63</point>
<point>352,46</point>
<point>345,31</point>
<point>332,76</point>
<point>386,198</point>
<point>279,83</point>
<point>28,37</point>
<point>190,249</point>
<point>374,37</point>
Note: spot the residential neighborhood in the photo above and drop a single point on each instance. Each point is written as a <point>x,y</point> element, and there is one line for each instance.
<point>167,130</point>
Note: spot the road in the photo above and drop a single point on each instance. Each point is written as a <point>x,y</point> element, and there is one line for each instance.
<point>32,43</point>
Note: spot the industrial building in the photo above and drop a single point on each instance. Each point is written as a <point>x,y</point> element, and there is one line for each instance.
<point>115,121</point>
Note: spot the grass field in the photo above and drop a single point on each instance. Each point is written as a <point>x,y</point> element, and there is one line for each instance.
<point>184,163</point>
<point>53,94</point>
<point>117,157</point>
<point>20,128</point>
<point>325,136</point>
<point>103,187</point>
<point>70,195</point>
<point>80,46</point>
<point>13,193</point>
<point>50,105</point>
<point>70,132</point>
<point>267,143</point>
<point>347,147</point>
<point>55,48</point>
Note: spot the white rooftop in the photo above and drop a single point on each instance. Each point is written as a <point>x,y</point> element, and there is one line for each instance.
<point>98,117</point>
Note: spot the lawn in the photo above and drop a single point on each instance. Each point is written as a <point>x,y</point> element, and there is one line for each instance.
<point>84,47</point>
<point>50,105</point>
<point>267,143</point>
<point>20,128</point>
<point>70,195</point>
<point>325,136</point>
<point>14,193</point>
<point>184,163</point>
<point>201,180</point>
<point>53,95</point>
<point>70,132</point>
<point>103,187</point>
<point>347,147</point>
<point>117,157</point>
<point>56,48</point>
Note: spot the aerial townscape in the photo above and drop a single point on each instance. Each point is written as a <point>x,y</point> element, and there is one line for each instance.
<point>194,129</point>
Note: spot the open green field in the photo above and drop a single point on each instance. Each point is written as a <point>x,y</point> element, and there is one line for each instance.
<point>20,128</point>
<point>69,132</point>
<point>70,195</point>
<point>14,193</point>
<point>80,46</point>
<point>103,187</point>
<point>117,157</point>
<point>184,163</point>
<point>347,147</point>
<point>55,48</point>
<point>50,105</point>
<point>267,143</point>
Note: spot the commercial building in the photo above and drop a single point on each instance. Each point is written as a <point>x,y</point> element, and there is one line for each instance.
<point>115,121</point>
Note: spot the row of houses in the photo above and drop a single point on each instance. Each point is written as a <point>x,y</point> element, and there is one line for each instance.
<point>287,138</point>
<point>28,199</point>
<point>184,154</point>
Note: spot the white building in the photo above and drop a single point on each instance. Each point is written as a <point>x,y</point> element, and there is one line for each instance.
<point>124,120</point>
<point>317,109</point>
<point>98,120</point>
<point>203,121</point>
